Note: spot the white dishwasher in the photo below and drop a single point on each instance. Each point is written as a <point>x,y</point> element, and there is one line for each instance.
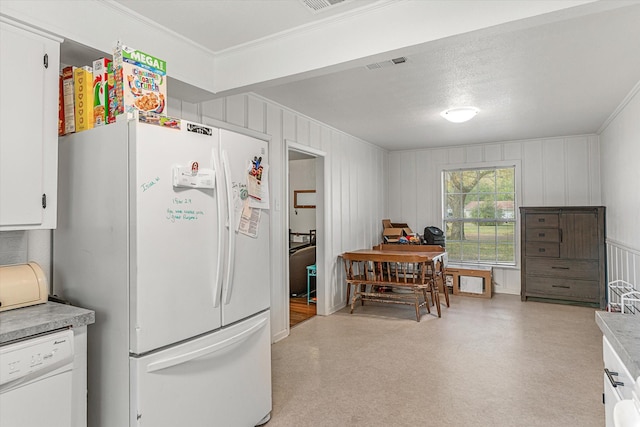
<point>36,381</point>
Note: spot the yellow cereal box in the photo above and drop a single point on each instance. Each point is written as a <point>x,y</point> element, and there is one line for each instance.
<point>143,82</point>
<point>83,85</point>
<point>100,91</point>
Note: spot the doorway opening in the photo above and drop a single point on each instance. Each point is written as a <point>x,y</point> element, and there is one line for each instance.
<point>305,231</point>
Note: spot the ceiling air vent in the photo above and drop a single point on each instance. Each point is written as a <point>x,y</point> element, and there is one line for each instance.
<point>317,5</point>
<point>384,64</point>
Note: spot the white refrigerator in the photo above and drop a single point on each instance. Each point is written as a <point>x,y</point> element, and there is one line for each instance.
<point>164,233</point>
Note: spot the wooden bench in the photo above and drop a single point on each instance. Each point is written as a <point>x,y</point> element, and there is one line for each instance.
<point>374,274</point>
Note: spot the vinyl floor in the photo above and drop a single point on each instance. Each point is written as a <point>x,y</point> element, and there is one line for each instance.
<point>486,362</point>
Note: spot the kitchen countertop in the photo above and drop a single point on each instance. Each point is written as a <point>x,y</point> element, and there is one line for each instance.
<point>37,319</point>
<point>623,332</point>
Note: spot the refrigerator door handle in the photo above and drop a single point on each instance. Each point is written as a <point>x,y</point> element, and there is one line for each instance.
<point>232,229</point>
<point>213,348</point>
<point>218,277</point>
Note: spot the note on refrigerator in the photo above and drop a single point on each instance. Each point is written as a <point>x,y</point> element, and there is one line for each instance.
<point>249,221</point>
<point>259,188</point>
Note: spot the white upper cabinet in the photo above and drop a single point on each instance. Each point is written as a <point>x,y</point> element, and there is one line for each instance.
<point>29,73</point>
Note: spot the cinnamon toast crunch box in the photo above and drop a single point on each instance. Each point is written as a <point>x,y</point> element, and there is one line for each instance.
<point>143,82</point>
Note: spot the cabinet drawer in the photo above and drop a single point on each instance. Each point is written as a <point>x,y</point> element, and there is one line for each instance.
<point>549,287</point>
<point>542,220</point>
<point>542,249</point>
<point>571,269</point>
<point>542,234</point>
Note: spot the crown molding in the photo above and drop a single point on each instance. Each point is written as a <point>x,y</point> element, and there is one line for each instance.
<point>619,108</point>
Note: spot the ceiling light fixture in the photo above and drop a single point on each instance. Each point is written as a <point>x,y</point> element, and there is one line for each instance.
<point>460,114</point>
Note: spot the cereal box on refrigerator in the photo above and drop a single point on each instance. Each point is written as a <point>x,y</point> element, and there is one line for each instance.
<point>60,107</point>
<point>112,99</point>
<point>83,85</point>
<point>144,80</point>
<point>69,100</point>
<point>100,91</point>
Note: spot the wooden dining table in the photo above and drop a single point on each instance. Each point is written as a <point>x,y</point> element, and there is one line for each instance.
<point>415,270</point>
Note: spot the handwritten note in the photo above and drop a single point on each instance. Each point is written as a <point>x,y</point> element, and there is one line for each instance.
<point>180,211</point>
<point>147,185</point>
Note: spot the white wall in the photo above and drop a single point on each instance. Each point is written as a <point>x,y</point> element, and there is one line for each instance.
<point>620,164</point>
<point>302,176</point>
<point>553,172</point>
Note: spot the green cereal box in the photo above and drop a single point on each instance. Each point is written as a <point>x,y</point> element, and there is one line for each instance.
<point>143,81</point>
<point>112,99</point>
<point>101,91</point>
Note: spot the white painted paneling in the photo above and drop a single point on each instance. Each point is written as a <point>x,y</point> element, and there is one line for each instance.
<point>578,183</point>
<point>395,183</point>
<point>236,110</point>
<point>532,177</point>
<point>190,112</point>
<point>620,171</point>
<point>315,135</point>
<point>424,193</point>
<point>337,171</point>
<point>475,154</point>
<point>288,125</point>
<point>512,150</point>
<point>554,172</point>
<point>456,155</point>
<point>325,139</point>
<point>174,107</point>
<point>279,297</point>
<point>353,166</point>
<point>302,131</point>
<point>408,191</point>
<point>594,171</point>
<point>214,109</point>
<point>493,153</point>
<point>256,119</point>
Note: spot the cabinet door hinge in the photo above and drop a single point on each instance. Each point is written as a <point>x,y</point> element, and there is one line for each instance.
<point>603,402</point>
<point>46,60</point>
<point>44,201</point>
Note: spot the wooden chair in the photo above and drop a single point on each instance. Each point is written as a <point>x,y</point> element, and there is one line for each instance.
<point>372,277</point>
<point>438,274</point>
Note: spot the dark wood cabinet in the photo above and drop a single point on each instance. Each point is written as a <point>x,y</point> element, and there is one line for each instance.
<point>563,254</point>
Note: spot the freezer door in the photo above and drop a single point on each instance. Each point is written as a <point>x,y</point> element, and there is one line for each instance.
<point>174,238</point>
<point>247,278</point>
<point>220,379</point>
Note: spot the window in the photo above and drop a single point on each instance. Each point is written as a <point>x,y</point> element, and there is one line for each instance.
<point>479,215</point>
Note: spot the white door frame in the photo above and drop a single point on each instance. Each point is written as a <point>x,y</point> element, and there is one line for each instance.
<point>321,215</point>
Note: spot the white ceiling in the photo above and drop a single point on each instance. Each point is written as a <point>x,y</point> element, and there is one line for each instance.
<point>535,78</point>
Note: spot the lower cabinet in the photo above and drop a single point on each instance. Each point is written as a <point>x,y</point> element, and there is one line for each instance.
<point>618,382</point>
